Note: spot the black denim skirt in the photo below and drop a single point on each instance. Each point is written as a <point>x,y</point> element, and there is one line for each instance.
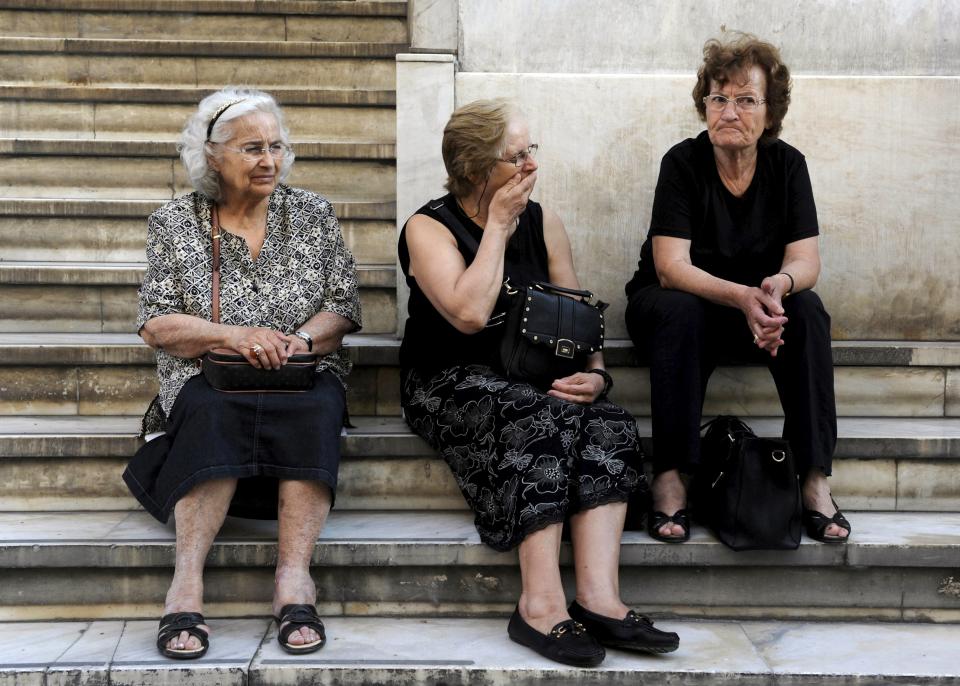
<point>257,438</point>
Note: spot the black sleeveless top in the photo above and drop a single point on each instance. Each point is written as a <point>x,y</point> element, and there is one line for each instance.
<point>430,343</point>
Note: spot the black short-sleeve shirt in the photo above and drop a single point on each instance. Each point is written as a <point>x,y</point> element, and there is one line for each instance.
<point>737,239</point>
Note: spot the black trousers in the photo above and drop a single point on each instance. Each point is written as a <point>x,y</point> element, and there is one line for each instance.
<point>684,337</point>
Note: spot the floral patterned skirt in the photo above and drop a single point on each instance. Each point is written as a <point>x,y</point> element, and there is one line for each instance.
<point>522,459</point>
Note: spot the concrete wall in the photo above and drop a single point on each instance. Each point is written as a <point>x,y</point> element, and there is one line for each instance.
<point>876,110</point>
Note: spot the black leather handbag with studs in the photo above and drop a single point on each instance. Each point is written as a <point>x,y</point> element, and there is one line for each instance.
<point>548,332</point>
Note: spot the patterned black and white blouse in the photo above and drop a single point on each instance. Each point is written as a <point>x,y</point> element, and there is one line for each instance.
<point>303,268</point>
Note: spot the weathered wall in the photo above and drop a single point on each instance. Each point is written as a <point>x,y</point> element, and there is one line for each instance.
<point>876,110</point>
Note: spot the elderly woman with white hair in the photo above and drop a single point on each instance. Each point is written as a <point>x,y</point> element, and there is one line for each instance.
<point>287,286</point>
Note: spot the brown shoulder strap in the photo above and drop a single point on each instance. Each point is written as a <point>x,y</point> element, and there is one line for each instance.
<point>215,228</point>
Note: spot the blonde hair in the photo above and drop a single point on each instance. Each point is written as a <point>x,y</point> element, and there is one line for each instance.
<point>473,141</point>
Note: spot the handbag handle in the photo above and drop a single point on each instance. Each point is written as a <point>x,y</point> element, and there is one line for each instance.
<point>215,232</point>
<point>543,286</point>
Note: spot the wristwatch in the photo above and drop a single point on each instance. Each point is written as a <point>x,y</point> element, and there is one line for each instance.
<point>306,338</point>
<point>607,381</point>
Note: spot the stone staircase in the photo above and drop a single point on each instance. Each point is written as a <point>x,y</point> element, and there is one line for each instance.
<point>92,95</point>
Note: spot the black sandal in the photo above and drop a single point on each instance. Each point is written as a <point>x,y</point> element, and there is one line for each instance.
<point>657,520</point>
<point>172,625</point>
<point>816,524</point>
<point>298,617</point>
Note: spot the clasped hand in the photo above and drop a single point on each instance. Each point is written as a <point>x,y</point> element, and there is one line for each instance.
<point>265,348</point>
<point>763,308</point>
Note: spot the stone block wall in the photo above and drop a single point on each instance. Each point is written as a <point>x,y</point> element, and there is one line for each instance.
<point>606,87</point>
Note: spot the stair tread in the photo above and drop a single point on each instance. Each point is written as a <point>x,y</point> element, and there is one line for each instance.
<point>70,348</point>
<point>455,650</point>
<point>200,48</point>
<point>402,538</point>
<point>160,95</point>
<point>29,272</point>
<point>107,207</point>
<point>285,7</point>
<point>88,147</point>
<point>72,435</point>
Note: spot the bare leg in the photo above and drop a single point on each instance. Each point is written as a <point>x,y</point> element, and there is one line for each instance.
<point>669,495</point>
<point>303,510</point>
<point>198,515</point>
<point>816,496</point>
<point>596,557</point>
<point>542,602</point>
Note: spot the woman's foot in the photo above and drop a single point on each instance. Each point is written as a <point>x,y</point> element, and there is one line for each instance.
<point>624,629</point>
<point>669,497</point>
<point>293,587</point>
<point>567,642</point>
<point>185,595</point>
<point>543,612</point>
<point>817,498</point>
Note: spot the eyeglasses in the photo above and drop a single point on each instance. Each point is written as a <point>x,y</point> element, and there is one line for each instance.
<point>253,152</point>
<point>743,103</point>
<point>521,157</point>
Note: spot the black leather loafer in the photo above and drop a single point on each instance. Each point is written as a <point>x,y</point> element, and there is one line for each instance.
<point>567,642</point>
<point>633,632</point>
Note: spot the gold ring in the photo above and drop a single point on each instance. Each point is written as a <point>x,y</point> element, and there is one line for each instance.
<point>256,350</point>
<point>756,338</point>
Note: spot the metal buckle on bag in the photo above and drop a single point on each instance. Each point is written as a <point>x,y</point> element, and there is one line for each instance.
<point>565,348</point>
<point>782,455</point>
<point>510,290</point>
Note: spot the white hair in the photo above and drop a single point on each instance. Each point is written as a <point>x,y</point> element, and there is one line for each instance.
<point>231,103</point>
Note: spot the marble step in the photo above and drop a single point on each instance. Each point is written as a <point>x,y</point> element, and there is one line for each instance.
<point>58,348</point>
<point>197,63</point>
<point>74,462</point>
<point>187,94</point>
<point>102,297</point>
<point>137,170</point>
<point>114,230</point>
<point>112,113</point>
<point>305,149</point>
<point>189,21</point>
<point>302,8</point>
<point>263,48</point>
<point>462,651</point>
<point>108,374</point>
<point>39,372</point>
<point>898,567</point>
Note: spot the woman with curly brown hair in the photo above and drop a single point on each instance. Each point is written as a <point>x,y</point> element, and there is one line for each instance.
<point>733,241</point>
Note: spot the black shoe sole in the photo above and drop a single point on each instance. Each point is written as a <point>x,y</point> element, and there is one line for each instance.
<point>573,662</point>
<point>633,647</point>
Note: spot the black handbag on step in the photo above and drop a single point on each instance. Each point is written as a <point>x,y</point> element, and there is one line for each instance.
<point>228,371</point>
<point>748,490</point>
<point>548,330</point>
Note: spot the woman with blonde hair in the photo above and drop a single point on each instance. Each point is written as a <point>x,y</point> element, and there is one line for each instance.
<point>526,458</point>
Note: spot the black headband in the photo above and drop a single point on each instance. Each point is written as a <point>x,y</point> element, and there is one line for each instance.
<point>217,116</point>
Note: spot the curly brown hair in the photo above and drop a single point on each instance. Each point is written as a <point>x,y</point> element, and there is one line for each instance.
<point>726,59</point>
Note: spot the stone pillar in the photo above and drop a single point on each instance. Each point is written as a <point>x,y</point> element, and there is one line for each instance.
<point>425,101</point>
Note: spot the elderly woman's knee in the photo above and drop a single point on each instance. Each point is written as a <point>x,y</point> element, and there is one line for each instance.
<point>806,307</point>
<point>665,308</point>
